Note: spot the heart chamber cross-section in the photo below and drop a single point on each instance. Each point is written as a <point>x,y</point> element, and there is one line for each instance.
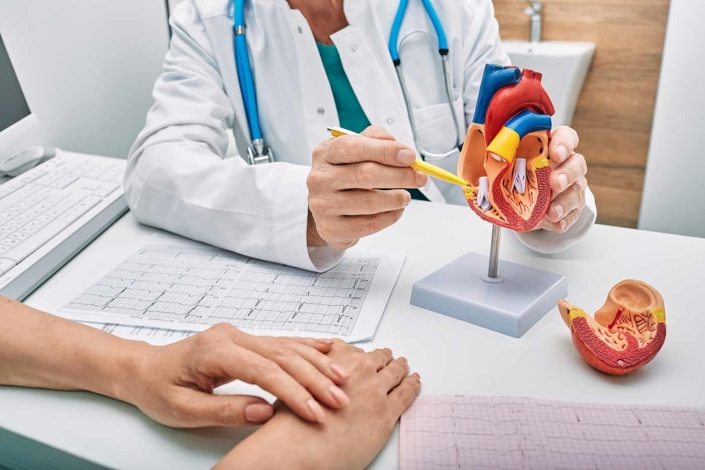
<point>505,154</point>
<point>626,333</point>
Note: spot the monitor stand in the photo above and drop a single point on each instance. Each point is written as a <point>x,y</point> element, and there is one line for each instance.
<point>509,304</point>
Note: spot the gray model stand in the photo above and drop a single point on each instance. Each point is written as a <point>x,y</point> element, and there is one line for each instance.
<point>510,304</point>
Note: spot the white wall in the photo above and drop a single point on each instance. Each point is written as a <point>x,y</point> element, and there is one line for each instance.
<point>675,172</point>
<point>87,67</point>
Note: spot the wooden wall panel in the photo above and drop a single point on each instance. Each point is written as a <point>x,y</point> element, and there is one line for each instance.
<point>615,110</point>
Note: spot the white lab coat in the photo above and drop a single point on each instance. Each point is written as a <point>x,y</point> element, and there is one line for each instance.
<point>182,176</point>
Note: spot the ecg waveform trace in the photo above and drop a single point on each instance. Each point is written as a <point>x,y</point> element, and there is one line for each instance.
<point>457,432</point>
<point>207,285</point>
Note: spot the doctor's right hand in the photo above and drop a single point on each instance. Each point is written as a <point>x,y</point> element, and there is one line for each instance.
<point>345,187</point>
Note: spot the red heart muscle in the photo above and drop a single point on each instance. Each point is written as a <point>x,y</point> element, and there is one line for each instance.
<point>505,155</point>
<point>626,332</point>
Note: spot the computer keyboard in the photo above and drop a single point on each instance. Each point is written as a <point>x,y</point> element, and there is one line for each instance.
<point>43,210</point>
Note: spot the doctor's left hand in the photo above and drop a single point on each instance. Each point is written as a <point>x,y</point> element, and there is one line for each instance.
<point>567,181</point>
<point>346,196</point>
<point>174,384</point>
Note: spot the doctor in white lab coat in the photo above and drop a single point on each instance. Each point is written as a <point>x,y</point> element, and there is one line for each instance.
<point>184,173</point>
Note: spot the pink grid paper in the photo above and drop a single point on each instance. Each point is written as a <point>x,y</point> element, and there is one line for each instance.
<point>458,432</point>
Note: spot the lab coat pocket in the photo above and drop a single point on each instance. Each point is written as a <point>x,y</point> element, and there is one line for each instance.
<point>435,127</point>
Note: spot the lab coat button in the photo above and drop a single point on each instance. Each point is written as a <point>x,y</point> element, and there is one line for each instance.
<point>353,47</point>
<point>301,31</point>
<point>321,111</point>
<point>390,121</point>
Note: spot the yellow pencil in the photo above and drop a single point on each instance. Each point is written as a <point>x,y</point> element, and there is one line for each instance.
<point>419,165</point>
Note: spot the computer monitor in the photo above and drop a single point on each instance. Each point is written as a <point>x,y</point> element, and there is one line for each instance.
<point>19,128</point>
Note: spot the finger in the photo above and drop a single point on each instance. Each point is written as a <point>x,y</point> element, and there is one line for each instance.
<point>319,344</point>
<point>323,363</point>
<point>401,397</point>
<point>566,222</point>
<point>357,226</point>
<point>314,380</point>
<point>380,358</point>
<point>377,132</point>
<point>567,173</point>
<point>394,373</point>
<point>358,148</point>
<point>564,141</point>
<point>371,175</point>
<point>367,201</point>
<point>254,369</point>
<point>197,409</point>
<point>311,368</point>
<point>567,201</point>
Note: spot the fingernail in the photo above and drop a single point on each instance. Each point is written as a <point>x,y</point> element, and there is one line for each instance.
<point>325,342</point>
<point>562,152</point>
<point>562,181</point>
<point>416,376</point>
<point>559,210</point>
<point>338,395</point>
<point>258,413</point>
<point>340,372</point>
<point>406,157</point>
<point>421,178</point>
<point>316,410</point>
<point>408,198</point>
<point>563,223</point>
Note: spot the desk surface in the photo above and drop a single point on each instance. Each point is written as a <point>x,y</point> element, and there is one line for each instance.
<point>452,357</point>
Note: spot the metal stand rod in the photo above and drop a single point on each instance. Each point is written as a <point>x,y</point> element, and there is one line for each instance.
<point>494,252</point>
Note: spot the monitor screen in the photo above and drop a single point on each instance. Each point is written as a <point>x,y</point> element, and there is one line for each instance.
<point>13,106</point>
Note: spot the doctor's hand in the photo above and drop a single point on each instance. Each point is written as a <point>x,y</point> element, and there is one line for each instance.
<point>345,196</point>
<point>174,384</point>
<point>567,181</point>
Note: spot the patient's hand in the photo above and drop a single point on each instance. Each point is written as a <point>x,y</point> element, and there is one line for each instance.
<point>350,438</point>
<point>174,384</point>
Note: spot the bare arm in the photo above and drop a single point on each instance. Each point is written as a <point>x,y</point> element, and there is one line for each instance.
<point>40,350</point>
<point>173,384</point>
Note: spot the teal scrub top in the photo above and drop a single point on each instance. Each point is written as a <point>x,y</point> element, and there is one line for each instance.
<point>350,113</point>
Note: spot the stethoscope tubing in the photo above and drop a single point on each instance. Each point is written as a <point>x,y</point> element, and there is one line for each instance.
<point>249,97</point>
<point>244,71</point>
<point>395,46</point>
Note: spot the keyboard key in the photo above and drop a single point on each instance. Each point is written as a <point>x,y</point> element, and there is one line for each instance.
<point>77,211</point>
<point>15,223</point>
<point>35,242</point>
<point>11,242</point>
<point>6,265</point>
<point>21,236</point>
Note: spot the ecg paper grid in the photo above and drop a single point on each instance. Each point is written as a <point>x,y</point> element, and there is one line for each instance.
<point>458,432</point>
<point>207,285</point>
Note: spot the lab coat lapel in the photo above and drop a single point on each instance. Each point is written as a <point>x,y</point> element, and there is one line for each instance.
<point>218,28</point>
<point>316,102</point>
<point>365,56</point>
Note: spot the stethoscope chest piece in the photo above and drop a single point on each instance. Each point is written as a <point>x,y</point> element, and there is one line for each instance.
<point>258,153</point>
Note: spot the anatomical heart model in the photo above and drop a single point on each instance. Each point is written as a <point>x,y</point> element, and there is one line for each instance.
<point>505,155</point>
<point>626,332</point>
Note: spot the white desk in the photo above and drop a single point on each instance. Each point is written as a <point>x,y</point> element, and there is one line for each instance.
<point>452,357</point>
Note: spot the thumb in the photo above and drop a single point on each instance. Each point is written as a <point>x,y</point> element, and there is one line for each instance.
<point>225,410</point>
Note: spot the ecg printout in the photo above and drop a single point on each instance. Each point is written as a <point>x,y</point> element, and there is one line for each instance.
<point>458,432</point>
<point>170,285</point>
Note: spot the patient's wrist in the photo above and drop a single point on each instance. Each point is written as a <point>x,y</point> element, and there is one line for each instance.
<point>120,378</point>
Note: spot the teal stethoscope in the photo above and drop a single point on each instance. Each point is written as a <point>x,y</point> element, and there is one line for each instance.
<point>258,152</point>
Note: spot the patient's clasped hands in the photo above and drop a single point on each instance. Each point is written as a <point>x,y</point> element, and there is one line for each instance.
<point>329,392</point>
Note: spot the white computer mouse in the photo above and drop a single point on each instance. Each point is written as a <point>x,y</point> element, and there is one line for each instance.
<point>23,161</point>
